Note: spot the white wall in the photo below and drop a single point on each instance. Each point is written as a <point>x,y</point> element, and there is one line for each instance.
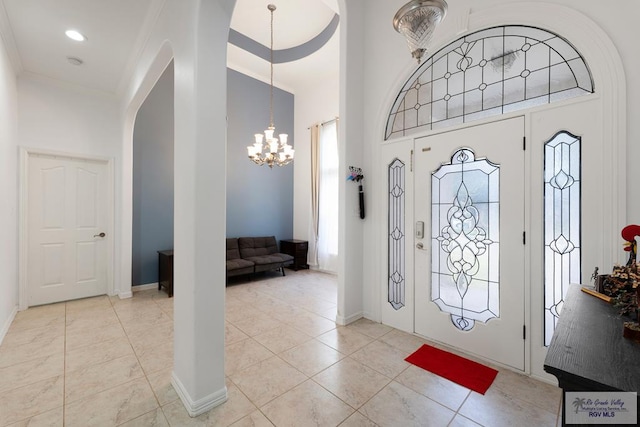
<point>62,117</point>
<point>315,103</point>
<point>9,192</point>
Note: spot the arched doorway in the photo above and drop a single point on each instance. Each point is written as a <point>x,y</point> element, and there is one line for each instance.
<point>540,125</point>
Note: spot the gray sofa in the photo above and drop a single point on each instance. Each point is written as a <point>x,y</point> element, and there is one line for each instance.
<point>247,255</point>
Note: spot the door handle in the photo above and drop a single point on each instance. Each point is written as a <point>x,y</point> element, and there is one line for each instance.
<point>420,245</point>
<point>99,235</point>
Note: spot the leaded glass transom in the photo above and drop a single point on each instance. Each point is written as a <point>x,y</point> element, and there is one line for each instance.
<point>465,214</point>
<point>562,255</point>
<point>396,235</point>
<point>488,73</point>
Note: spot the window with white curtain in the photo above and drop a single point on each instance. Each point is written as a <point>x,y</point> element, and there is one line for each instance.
<point>327,244</point>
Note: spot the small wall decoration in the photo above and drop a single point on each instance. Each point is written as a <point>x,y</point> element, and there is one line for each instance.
<point>355,175</point>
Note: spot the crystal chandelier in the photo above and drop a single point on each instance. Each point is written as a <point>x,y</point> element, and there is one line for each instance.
<point>276,153</point>
<point>417,20</point>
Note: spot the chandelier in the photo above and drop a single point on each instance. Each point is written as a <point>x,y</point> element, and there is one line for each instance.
<point>275,152</point>
<point>416,21</point>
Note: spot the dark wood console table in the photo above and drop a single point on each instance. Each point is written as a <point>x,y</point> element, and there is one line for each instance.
<point>165,271</point>
<point>588,352</point>
<point>298,250</point>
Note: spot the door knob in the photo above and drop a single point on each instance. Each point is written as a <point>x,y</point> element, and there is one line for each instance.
<point>419,245</point>
<point>99,235</point>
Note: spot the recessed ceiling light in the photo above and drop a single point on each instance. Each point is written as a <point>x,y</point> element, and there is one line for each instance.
<point>75,35</point>
<point>75,61</point>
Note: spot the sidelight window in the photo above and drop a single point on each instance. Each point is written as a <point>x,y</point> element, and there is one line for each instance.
<point>562,260</point>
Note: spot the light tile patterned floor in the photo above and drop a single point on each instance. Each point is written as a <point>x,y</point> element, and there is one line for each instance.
<point>107,362</point>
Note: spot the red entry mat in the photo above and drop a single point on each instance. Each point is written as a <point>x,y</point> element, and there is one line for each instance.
<point>462,371</point>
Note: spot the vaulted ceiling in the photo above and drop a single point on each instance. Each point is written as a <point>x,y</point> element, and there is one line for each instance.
<point>116,31</point>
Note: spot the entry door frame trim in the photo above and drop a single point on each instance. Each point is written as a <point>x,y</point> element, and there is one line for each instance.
<point>23,214</point>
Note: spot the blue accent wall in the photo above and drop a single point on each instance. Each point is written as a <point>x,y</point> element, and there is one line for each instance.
<point>259,199</point>
<point>153,180</point>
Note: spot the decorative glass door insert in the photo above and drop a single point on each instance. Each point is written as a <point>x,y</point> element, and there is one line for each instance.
<point>396,294</point>
<point>465,212</point>
<point>562,240</point>
<point>488,73</point>
<point>469,270</point>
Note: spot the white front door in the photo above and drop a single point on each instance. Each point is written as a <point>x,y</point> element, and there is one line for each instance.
<point>469,267</point>
<point>67,214</point>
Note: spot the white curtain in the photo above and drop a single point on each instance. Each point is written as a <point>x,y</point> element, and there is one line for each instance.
<point>327,243</point>
<point>315,189</point>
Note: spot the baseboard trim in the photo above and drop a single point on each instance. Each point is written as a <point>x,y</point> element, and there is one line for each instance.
<point>125,295</point>
<point>200,406</point>
<point>343,321</point>
<point>144,287</point>
<point>319,270</point>
<point>7,324</point>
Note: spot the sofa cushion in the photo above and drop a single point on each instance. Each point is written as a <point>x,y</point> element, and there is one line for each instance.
<point>233,252</point>
<point>257,246</point>
<point>284,258</point>
<point>239,266</point>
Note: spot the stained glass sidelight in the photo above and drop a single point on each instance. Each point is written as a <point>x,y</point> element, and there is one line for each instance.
<point>465,215</point>
<point>487,73</point>
<point>562,255</point>
<point>396,235</point>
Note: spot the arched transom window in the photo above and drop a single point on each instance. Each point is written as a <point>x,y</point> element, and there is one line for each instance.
<point>487,73</point>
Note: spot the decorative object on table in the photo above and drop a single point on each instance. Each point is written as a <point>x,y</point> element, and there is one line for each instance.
<point>596,294</point>
<point>278,153</point>
<point>416,21</point>
<point>599,281</point>
<point>355,175</point>
<point>629,234</point>
<point>623,286</point>
<point>598,290</point>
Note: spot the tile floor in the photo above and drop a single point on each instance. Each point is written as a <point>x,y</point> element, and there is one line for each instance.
<point>106,362</point>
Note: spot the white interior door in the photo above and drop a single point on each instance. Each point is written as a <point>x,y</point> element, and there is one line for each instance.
<point>67,214</point>
<point>469,193</point>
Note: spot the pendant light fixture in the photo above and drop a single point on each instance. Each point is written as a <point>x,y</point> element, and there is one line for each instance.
<point>275,152</point>
<point>416,21</point>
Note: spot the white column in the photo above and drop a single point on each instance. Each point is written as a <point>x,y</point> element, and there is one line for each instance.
<point>200,212</point>
<point>350,270</point>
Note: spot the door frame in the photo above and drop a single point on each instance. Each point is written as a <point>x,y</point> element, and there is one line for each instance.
<point>23,214</point>
<point>534,351</point>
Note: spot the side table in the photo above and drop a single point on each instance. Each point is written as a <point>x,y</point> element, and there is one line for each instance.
<point>165,271</point>
<point>298,250</point>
